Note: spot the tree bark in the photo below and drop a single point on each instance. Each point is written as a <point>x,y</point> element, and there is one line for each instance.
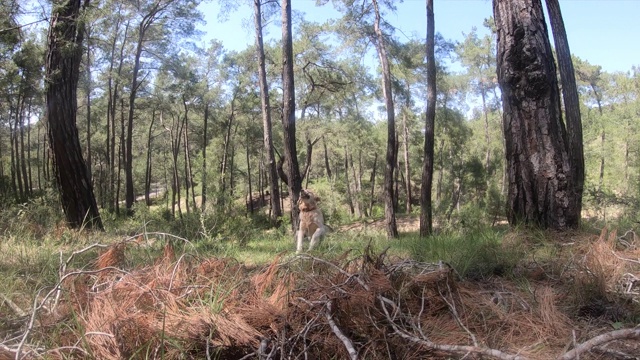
<point>276,210</point>
<point>326,159</point>
<point>540,184</point>
<point>288,114</point>
<point>392,155</point>
<point>407,167</point>
<point>64,54</point>
<point>147,177</point>
<point>571,100</point>
<point>204,157</point>
<point>426,208</point>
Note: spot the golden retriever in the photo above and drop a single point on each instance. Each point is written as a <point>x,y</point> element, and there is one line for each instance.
<point>311,221</point>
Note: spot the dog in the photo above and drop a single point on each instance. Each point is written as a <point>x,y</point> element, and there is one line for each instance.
<point>311,221</point>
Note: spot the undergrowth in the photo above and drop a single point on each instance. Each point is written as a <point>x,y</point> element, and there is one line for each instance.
<point>578,277</point>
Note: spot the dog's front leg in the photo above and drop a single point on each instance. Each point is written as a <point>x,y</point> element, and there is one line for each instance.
<point>299,239</point>
<point>317,237</point>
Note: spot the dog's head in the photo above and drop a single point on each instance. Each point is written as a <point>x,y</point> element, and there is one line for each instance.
<point>308,201</point>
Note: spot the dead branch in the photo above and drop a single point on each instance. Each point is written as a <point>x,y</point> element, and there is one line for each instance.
<point>623,334</point>
<point>345,273</point>
<point>453,349</point>
<point>55,289</point>
<point>452,308</point>
<point>625,259</point>
<point>353,354</point>
<point>16,309</point>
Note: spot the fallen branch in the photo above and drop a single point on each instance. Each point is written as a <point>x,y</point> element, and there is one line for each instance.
<point>452,349</point>
<point>16,309</point>
<point>353,354</point>
<point>55,289</point>
<point>623,334</point>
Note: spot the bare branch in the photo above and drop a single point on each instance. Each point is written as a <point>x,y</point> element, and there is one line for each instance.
<point>623,334</point>
<point>353,354</point>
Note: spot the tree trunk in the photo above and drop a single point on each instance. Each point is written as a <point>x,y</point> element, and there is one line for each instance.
<point>373,183</point>
<point>23,157</point>
<point>326,159</point>
<point>145,23</point>
<point>121,155</point>
<point>276,210</point>
<point>187,159</point>
<point>112,101</point>
<point>147,176</point>
<point>64,54</point>
<point>571,100</point>
<point>426,207</point>
<point>541,187</point>
<point>87,89</point>
<point>288,114</point>
<point>407,167</point>
<point>350,199</point>
<point>356,188</point>
<point>204,158</point>
<point>391,158</point>
<point>250,202</point>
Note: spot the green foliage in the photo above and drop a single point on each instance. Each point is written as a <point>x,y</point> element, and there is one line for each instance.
<point>475,254</point>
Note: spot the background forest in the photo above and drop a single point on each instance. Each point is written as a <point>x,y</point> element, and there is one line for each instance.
<point>194,118</point>
<point>172,133</point>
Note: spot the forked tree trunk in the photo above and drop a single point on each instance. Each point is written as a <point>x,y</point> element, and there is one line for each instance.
<point>426,220</point>
<point>541,188</point>
<point>64,54</point>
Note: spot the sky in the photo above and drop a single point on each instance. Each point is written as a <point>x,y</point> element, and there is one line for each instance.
<point>602,32</point>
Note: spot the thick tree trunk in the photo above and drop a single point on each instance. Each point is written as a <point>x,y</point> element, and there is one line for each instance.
<point>541,186</point>
<point>288,114</point>
<point>392,155</point>
<point>426,208</point>
<point>62,71</point>
<point>571,99</point>
<point>276,210</point>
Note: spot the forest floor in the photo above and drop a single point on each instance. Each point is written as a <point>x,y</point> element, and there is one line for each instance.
<point>567,296</point>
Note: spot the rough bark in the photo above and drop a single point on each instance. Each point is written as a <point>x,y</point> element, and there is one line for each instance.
<point>540,181</point>
<point>288,114</point>
<point>426,208</point>
<point>276,210</point>
<point>392,155</point>
<point>571,99</point>
<point>64,54</point>
<point>407,167</point>
<point>204,157</point>
<point>147,176</point>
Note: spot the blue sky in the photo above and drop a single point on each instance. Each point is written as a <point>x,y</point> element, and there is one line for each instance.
<point>603,32</point>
